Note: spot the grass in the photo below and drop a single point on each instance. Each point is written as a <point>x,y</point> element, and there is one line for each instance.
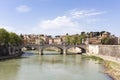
<point>112,69</point>
<point>92,57</point>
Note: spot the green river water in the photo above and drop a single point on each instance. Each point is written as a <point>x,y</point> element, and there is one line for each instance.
<point>51,67</point>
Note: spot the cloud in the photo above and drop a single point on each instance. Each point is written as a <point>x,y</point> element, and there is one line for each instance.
<point>58,25</point>
<point>84,13</point>
<point>23,8</point>
<point>58,22</point>
<point>73,21</point>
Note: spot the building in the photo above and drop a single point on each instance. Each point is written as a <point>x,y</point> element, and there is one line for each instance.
<point>51,41</point>
<point>94,40</point>
<point>118,40</point>
<point>89,38</point>
<point>105,35</point>
<point>57,40</point>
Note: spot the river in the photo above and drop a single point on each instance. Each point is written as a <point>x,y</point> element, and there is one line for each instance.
<point>51,67</point>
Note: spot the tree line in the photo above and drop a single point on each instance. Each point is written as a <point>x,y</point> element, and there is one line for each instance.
<point>81,38</point>
<point>9,38</point>
<point>75,39</point>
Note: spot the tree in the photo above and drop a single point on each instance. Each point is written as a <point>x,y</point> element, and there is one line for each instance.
<point>82,38</point>
<point>14,39</point>
<point>76,39</point>
<point>108,41</point>
<point>82,33</point>
<point>4,37</point>
<point>67,39</point>
<point>101,32</point>
<point>7,38</point>
<point>21,36</point>
<point>73,39</point>
<point>88,35</point>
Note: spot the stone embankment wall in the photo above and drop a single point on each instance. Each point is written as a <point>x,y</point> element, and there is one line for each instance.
<point>14,50</point>
<point>10,50</point>
<point>107,50</point>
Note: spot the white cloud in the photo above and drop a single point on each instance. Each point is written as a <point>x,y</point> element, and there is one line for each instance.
<point>84,13</point>
<point>73,22</point>
<point>58,22</point>
<point>58,25</point>
<point>23,8</point>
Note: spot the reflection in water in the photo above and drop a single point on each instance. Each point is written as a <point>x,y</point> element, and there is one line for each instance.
<point>51,67</point>
<point>9,69</point>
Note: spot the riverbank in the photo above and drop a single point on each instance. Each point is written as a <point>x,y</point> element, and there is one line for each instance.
<point>111,64</point>
<point>11,56</point>
<point>112,69</point>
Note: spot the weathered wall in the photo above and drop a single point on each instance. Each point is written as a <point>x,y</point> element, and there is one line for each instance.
<point>93,49</point>
<point>9,50</point>
<point>3,51</point>
<point>108,50</point>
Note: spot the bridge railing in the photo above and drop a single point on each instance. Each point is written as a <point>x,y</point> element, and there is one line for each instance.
<point>53,44</point>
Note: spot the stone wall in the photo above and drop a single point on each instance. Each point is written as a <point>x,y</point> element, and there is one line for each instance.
<point>93,49</point>
<point>110,50</point>
<point>3,50</point>
<point>107,50</point>
<point>9,50</point>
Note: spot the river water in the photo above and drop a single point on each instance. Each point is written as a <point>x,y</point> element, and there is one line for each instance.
<point>51,67</point>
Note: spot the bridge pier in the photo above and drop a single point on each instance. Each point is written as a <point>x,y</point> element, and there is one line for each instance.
<point>64,51</point>
<point>40,51</point>
<point>61,52</point>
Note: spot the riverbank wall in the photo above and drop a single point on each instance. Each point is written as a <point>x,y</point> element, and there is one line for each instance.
<point>11,51</point>
<point>105,50</point>
<point>11,56</point>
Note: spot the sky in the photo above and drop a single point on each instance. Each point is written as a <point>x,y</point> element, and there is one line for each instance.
<point>58,17</point>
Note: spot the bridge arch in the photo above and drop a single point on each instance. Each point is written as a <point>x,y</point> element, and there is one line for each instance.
<point>78,49</point>
<point>50,46</point>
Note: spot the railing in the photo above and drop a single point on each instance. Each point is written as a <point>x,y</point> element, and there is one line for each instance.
<point>54,44</point>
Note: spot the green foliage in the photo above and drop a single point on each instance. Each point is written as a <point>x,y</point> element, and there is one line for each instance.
<point>75,39</point>
<point>92,57</point>
<point>14,38</point>
<point>4,37</point>
<point>21,36</point>
<point>67,39</point>
<point>107,41</point>
<point>82,38</point>
<point>9,38</point>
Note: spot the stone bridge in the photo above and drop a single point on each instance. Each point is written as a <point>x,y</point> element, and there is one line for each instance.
<point>63,48</point>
